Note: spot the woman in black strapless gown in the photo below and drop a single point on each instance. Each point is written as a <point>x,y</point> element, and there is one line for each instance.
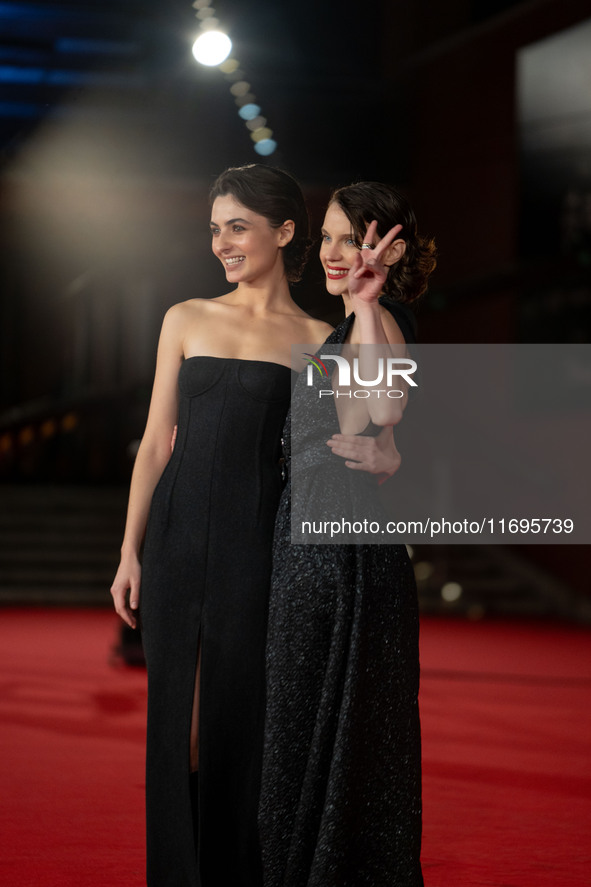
<point>206,572</point>
<point>341,787</point>
<point>223,376</point>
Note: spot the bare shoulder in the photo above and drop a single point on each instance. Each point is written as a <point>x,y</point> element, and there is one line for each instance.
<point>192,307</point>
<point>179,313</point>
<point>182,314</point>
<point>317,330</point>
<point>174,319</point>
<point>322,331</point>
<point>179,318</point>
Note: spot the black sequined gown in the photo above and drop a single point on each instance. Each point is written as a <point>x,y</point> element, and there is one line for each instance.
<point>341,787</point>
<point>206,575</point>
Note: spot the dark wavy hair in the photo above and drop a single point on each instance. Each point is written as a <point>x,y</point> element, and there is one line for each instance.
<point>363,202</point>
<point>275,194</point>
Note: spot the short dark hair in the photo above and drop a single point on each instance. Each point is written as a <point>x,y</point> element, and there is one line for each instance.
<point>363,202</point>
<point>275,194</point>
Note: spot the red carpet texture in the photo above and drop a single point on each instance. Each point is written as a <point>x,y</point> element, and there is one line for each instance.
<point>506,714</point>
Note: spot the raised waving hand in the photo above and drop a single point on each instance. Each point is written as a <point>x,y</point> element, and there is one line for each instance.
<point>371,264</point>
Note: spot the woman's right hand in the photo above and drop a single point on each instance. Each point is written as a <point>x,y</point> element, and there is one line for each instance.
<point>370,267</point>
<point>152,457</point>
<point>125,590</point>
<point>376,455</point>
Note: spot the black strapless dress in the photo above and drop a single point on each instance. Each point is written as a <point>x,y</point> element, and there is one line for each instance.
<point>341,787</point>
<point>206,574</point>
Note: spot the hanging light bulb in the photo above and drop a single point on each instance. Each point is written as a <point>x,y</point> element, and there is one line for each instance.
<point>265,147</point>
<point>212,48</point>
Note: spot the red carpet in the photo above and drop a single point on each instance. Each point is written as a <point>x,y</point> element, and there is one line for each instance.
<point>71,753</point>
<point>506,716</point>
<point>506,712</point>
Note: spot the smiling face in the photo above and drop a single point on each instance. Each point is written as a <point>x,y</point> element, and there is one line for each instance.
<point>338,249</point>
<point>246,244</point>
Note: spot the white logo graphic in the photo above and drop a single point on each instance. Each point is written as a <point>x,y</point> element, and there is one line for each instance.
<point>387,370</point>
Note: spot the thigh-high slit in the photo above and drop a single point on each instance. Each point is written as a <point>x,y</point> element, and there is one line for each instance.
<point>205,587</point>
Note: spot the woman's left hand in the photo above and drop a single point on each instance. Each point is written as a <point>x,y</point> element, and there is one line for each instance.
<point>368,272</point>
<point>376,455</point>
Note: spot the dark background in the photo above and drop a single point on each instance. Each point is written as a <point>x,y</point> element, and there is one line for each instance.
<point>110,135</point>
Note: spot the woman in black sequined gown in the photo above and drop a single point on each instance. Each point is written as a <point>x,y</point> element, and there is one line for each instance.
<point>341,788</point>
<point>223,376</point>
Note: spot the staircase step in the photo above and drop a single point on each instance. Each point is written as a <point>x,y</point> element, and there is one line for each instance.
<point>47,596</point>
<point>59,544</point>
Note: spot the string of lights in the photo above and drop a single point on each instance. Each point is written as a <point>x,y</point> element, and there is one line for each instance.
<point>212,48</point>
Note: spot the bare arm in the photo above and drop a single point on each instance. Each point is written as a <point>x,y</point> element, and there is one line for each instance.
<point>378,337</point>
<point>372,326</point>
<point>152,457</point>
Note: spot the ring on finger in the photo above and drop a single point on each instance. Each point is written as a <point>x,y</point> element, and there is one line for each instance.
<point>366,246</point>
